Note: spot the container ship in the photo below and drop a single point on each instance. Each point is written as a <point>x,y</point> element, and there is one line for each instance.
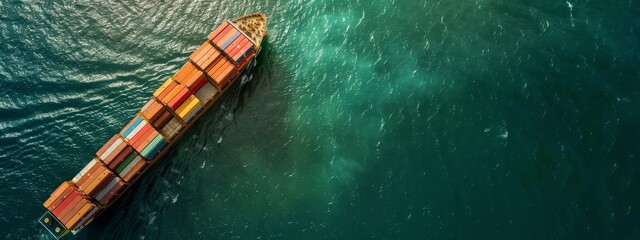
<point>224,58</point>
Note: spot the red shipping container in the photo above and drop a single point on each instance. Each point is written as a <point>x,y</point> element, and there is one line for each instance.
<point>234,44</point>
<point>179,99</point>
<point>218,30</point>
<point>65,203</point>
<point>167,90</point>
<point>196,86</point>
<point>222,34</point>
<point>237,48</point>
<point>242,50</point>
<point>135,141</point>
<point>69,188</point>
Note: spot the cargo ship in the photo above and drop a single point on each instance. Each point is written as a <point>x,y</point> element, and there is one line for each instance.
<point>224,58</point>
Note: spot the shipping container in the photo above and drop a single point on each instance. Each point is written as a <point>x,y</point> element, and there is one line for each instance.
<point>206,93</point>
<point>153,111</point>
<point>131,158</point>
<point>126,169</point>
<point>179,99</point>
<point>87,206</point>
<point>106,146</point>
<point>167,90</point>
<point>115,190</point>
<point>146,141</point>
<point>91,175</point>
<point>182,74</point>
<point>120,157</point>
<point>58,210</point>
<point>171,95</point>
<point>163,87</point>
<point>121,146</point>
<point>131,175</point>
<point>59,195</point>
<point>96,183</point>
<point>154,146</point>
<point>84,170</point>
<point>188,106</point>
<point>107,188</point>
<point>196,55</point>
<point>87,218</point>
<point>162,120</point>
<point>193,113</point>
<point>137,140</point>
<point>172,128</point>
<point>222,34</point>
<point>71,209</point>
<point>130,127</point>
<point>217,31</point>
<point>210,71</point>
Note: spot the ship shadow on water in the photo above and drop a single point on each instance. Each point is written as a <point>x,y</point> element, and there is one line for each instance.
<point>137,212</point>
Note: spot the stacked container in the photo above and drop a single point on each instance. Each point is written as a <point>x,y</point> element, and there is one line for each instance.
<point>132,165</point>
<point>236,45</point>
<point>70,206</point>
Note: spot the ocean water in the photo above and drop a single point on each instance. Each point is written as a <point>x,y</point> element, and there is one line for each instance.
<point>392,119</point>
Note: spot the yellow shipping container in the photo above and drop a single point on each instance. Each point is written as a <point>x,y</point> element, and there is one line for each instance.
<point>188,105</point>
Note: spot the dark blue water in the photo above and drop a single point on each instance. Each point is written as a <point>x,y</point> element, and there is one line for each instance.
<point>486,119</point>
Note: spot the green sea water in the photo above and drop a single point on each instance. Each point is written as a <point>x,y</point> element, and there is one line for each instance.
<point>392,119</point>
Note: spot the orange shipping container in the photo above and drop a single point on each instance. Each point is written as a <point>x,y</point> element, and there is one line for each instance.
<point>90,176</point>
<point>205,46</point>
<point>81,213</point>
<point>60,194</point>
<point>186,69</point>
<point>209,49</point>
<point>91,188</point>
<point>162,87</point>
<point>68,208</point>
<point>172,94</point>
<point>219,64</point>
<point>207,59</point>
<point>167,90</point>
